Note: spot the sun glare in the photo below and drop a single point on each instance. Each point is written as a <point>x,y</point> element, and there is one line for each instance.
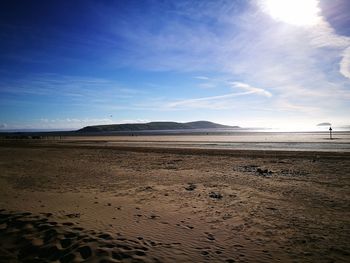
<point>294,12</point>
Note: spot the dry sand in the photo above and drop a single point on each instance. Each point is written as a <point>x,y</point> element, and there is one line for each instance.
<point>93,203</point>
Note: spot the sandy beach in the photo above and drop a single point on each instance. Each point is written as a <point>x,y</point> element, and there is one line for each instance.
<point>80,200</point>
<point>175,131</point>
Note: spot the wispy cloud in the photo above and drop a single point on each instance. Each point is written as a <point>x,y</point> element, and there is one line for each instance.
<point>288,60</point>
<point>223,55</point>
<point>286,105</point>
<point>198,102</point>
<point>251,90</point>
<point>201,77</point>
<point>220,101</point>
<point>73,89</point>
<point>207,85</point>
<point>345,63</point>
<point>55,124</point>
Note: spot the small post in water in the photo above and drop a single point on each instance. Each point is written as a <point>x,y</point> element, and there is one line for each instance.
<point>330,133</point>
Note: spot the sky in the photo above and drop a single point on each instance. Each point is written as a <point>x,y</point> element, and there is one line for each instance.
<point>258,63</point>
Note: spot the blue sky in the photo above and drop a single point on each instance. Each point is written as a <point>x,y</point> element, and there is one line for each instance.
<point>68,64</point>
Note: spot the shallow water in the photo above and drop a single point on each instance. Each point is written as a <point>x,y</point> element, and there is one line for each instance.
<point>291,141</point>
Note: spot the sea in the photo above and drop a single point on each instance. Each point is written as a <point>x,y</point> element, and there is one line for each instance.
<point>239,138</point>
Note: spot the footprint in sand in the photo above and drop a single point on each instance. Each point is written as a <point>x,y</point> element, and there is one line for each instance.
<point>44,242</point>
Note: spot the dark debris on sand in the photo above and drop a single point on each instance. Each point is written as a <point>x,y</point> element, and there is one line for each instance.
<point>215,195</point>
<point>190,187</point>
<point>263,172</point>
<point>254,169</point>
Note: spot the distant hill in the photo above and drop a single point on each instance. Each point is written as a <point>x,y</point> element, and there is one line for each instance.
<point>152,126</point>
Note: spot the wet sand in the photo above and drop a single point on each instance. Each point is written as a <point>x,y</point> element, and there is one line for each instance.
<point>73,202</point>
<point>262,141</point>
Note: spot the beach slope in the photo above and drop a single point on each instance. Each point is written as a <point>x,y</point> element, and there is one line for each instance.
<point>72,203</point>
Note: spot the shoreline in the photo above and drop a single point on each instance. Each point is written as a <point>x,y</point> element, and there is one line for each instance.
<point>312,142</point>
<point>180,149</point>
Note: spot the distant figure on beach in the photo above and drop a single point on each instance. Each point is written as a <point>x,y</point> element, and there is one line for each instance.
<point>330,133</point>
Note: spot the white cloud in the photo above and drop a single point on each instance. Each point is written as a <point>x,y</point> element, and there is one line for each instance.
<point>133,121</point>
<point>302,70</point>
<point>75,87</point>
<point>345,63</point>
<point>83,94</point>
<point>56,124</point>
<point>207,85</point>
<point>199,101</point>
<point>220,101</point>
<point>201,77</point>
<point>286,105</point>
<point>297,69</point>
<point>325,36</point>
<point>45,123</point>
<point>251,90</point>
<point>289,60</point>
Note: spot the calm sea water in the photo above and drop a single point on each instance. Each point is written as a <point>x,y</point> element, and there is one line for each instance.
<point>243,139</point>
<point>239,139</point>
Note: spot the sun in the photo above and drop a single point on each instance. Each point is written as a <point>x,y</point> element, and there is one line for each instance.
<point>294,12</point>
